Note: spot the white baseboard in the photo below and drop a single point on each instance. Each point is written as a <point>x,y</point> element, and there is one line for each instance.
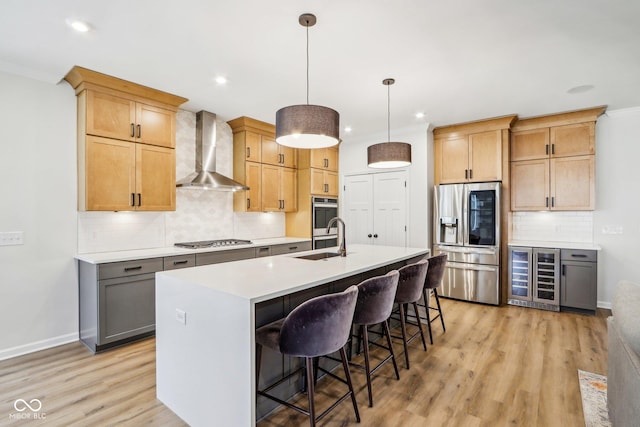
<point>604,304</point>
<point>38,345</point>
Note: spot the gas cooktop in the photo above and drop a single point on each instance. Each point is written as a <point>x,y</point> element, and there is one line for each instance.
<point>212,243</point>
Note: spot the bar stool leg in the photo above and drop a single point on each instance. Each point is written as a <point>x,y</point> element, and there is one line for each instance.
<point>393,356</point>
<point>403,327</point>
<point>367,366</point>
<point>310,381</point>
<point>347,374</point>
<point>435,292</point>
<point>424,343</point>
<point>427,299</point>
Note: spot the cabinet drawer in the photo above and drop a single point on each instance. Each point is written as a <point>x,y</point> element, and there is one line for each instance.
<point>225,256</point>
<point>129,268</point>
<point>180,261</point>
<point>579,255</point>
<point>290,248</point>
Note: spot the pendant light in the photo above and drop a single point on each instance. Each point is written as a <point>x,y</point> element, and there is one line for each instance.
<point>389,154</point>
<point>307,126</point>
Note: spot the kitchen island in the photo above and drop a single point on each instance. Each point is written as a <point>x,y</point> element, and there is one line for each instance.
<point>206,318</point>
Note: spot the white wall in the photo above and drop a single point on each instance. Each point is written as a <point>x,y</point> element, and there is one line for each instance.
<point>617,200</point>
<point>38,284</point>
<point>353,160</point>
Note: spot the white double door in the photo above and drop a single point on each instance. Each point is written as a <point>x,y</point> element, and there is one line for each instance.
<point>375,208</point>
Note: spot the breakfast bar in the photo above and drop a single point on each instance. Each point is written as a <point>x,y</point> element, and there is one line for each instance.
<point>206,319</point>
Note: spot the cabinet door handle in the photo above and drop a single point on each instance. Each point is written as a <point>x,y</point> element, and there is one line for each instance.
<point>248,203</point>
<point>470,173</point>
<point>546,203</point>
<point>375,235</point>
<point>248,152</point>
<point>578,256</point>
<point>563,268</point>
<point>553,148</point>
<point>553,201</point>
<point>133,132</point>
<point>139,199</point>
<point>133,199</point>
<point>139,131</point>
<point>127,269</point>
<point>180,262</point>
<point>546,149</point>
<point>293,248</point>
<point>369,235</point>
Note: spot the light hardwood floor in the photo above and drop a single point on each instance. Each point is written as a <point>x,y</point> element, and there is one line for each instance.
<point>494,366</point>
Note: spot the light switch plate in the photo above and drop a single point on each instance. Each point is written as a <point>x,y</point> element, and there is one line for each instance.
<point>10,238</point>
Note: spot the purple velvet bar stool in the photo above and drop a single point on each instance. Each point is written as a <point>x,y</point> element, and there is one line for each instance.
<point>437,265</point>
<point>317,327</point>
<point>375,302</point>
<point>410,285</point>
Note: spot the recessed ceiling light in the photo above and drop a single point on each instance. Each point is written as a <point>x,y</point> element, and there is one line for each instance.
<point>78,25</point>
<point>221,80</point>
<point>420,115</point>
<point>347,129</point>
<point>580,89</point>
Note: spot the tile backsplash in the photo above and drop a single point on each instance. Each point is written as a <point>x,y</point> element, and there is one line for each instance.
<point>199,215</point>
<point>575,227</point>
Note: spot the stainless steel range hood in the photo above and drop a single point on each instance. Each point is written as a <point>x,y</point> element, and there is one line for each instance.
<point>205,176</point>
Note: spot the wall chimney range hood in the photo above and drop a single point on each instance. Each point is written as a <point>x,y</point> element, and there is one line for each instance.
<point>205,175</point>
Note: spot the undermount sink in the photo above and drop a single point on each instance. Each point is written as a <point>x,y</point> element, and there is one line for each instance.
<point>321,255</point>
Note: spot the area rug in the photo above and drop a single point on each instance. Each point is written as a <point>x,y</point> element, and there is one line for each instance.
<point>593,388</point>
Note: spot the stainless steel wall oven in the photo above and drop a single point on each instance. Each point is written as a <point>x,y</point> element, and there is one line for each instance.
<point>323,209</point>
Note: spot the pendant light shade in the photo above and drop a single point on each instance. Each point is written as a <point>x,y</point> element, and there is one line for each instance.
<point>389,154</point>
<point>307,126</point>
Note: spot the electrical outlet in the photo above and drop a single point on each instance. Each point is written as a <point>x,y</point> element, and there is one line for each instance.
<point>181,316</point>
<point>10,238</point>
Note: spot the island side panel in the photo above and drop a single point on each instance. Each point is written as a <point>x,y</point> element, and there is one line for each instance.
<point>204,365</point>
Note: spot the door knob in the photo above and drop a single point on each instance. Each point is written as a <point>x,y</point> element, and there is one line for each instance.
<point>369,235</point>
<point>375,235</point>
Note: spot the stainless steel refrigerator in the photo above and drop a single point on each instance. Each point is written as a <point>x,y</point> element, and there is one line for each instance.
<point>467,228</point>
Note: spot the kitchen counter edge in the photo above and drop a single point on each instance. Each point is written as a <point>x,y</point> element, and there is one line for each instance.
<point>129,255</point>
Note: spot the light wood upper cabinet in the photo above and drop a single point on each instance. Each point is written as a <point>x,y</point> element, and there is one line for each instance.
<point>471,152</point>
<point>278,189</point>
<point>118,175</point>
<point>276,154</point>
<point>323,183</point>
<point>553,162</point>
<point>126,136</point>
<point>320,158</point>
<point>572,181</point>
<point>266,167</point>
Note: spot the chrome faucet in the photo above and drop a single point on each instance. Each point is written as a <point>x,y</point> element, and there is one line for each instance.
<point>343,244</point>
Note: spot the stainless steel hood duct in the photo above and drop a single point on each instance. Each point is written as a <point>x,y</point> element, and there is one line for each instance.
<point>205,176</point>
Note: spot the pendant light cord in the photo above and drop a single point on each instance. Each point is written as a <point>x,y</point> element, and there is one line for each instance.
<point>388,113</point>
<point>307,63</point>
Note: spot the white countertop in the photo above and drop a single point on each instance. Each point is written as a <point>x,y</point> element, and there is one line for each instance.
<point>557,245</point>
<point>104,257</point>
<point>260,279</point>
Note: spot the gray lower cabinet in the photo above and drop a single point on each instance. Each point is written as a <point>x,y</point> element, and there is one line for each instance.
<point>579,279</point>
<point>117,301</point>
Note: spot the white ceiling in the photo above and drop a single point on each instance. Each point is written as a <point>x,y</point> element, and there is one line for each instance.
<point>455,61</point>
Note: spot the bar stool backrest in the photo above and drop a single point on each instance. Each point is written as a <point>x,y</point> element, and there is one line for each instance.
<point>319,326</point>
<point>375,299</point>
<point>435,273</point>
<point>411,281</point>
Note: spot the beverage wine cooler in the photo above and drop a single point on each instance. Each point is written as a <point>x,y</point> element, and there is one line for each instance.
<point>534,277</point>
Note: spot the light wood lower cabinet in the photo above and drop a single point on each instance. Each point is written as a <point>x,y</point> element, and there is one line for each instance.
<point>279,191</point>
<point>118,176</point>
